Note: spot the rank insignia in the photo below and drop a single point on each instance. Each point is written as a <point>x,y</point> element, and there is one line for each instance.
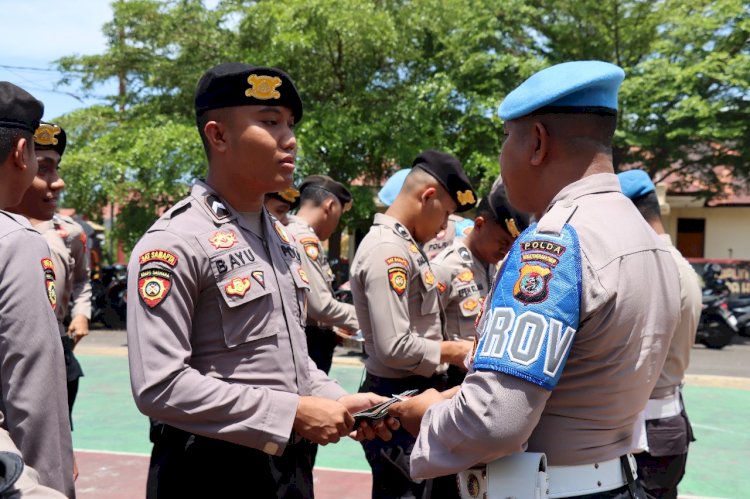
<point>397,279</point>
<point>464,254</point>
<point>465,276</point>
<point>429,278</point>
<point>532,285</point>
<point>259,278</point>
<point>154,286</point>
<point>413,248</point>
<point>470,304</point>
<point>45,134</point>
<point>223,239</point>
<point>281,232</point>
<point>396,260</point>
<point>401,231</point>
<point>217,206</point>
<point>441,287</point>
<point>263,87</point>
<point>465,197</point>
<point>510,224</point>
<point>49,281</point>
<point>159,256</point>
<point>237,286</point>
<point>303,275</point>
<point>290,195</point>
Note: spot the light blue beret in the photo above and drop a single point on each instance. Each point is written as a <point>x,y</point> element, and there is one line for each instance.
<point>635,183</point>
<point>392,187</point>
<point>576,86</point>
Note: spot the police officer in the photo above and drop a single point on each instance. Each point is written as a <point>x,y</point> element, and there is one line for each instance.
<point>17,480</point>
<point>322,202</point>
<point>396,299</point>
<point>667,429</point>
<point>465,269</point>
<point>67,243</point>
<point>575,331</point>
<point>279,204</point>
<point>32,372</point>
<point>216,311</point>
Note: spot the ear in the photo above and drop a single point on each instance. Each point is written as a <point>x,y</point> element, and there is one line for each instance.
<point>21,153</point>
<point>216,134</point>
<point>428,194</point>
<point>541,138</point>
<point>328,205</point>
<point>479,222</point>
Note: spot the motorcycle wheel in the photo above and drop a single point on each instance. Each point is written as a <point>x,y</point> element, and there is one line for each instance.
<point>718,336</point>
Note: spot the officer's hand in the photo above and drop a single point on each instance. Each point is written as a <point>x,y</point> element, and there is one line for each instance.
<point>356,402</point>
<point>410,412</point>
<point>322,421</point>
<point>381,429</point>
<point>78,328</point>
<point>344,332</point>
<point>455,352</point>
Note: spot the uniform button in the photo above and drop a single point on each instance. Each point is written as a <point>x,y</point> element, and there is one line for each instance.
<point>271,448</point>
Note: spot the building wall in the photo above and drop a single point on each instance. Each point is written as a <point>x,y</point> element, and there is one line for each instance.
<point>726,228</point>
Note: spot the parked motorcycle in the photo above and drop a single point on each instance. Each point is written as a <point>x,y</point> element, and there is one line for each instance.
<point>109,296</point>
<point>717,325</point>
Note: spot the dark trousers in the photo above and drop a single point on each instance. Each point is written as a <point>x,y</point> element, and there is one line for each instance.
<point>73,371</point>
<point>184,465</point>
<point>390,460</point>
<point>320,345</point>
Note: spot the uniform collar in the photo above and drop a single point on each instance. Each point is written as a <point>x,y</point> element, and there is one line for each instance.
<point>591,184</point>
<point>301,221</point>
<point>397,227</point>
<point>221,211</point>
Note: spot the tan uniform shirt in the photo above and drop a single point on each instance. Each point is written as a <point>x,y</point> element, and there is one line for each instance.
<point>629,304</point>
<point>67,244</point>
<point>215,325</point>
<point>32,369</point>
<point>678,356</point>
<point>446,237</point>
<point>464,282</point>
<point>396,298</point>
<point>323,309</point>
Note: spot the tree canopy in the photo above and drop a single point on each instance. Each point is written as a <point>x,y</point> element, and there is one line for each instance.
<point>383,79</point>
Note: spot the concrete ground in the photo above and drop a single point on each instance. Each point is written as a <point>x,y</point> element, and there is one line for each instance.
<point>111,436</point>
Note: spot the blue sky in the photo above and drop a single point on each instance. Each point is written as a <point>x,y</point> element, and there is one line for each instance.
<point>35,33</point>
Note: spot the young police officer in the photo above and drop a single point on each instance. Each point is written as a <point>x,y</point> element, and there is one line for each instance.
<point>216,311</point>
<point>279,204</point>
<point>396,298</point>
<point>574,333</point>
<point>32,373</point>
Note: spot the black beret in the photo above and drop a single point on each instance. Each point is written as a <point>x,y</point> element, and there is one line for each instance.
<point>496,203</point>
<point>289,196</point>
<point>18,108</point>
<point>50,136</point>
<point>328,184</point>
<point>236,84</point>
<point>449,172</point>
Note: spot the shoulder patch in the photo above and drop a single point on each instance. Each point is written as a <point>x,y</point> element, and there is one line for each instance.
<point>534,311</point>
<point>158,256</point>
<point>49,281</point>
<point>397,279</point>
<point>312,247</point>
<point>401,231</point>
<point>463,253</point>
<point>396,260</point>
<point>223,239</point>
<point>154,286</point>
<point>281,232</point>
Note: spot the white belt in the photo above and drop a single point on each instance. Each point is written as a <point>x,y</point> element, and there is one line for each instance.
<point>667,407</point>
<point>571,481</point>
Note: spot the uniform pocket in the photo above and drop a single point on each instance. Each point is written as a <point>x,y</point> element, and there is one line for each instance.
<point>246,309</point>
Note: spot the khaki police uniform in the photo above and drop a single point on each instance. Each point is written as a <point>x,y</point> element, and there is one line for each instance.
<point>217,348</point>
<point>32,375</point>
<point>323,310</point>
<point>446,237</point>
<point>615,346</point>
<point>463,282</point>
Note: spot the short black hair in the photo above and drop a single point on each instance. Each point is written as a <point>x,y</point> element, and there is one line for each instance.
<point>648,205</point>
<point>201,120</point>
<point>315,195</point>
<point>484,210</point>
<point>9,137</point>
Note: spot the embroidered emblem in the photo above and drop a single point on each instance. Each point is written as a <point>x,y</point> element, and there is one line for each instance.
<point>49,281</point>
<point>259,278</point>
<point>413,248</point>
<point>397,279</point>
<point>470,304</point>
<point>465,197</point>
<point>465,276</point>
<point>441,287</point>
<point>290,195</point>
<point>396,260</point>
<point>237,286</point>
<point>401,231</point>
<point>223,239</point>
<point>159,256</point>
<point>429,278</point>
<point>281,232</point>
<point>463,252</point>
<point>263,87</point>
<point>545,246</point>
<point>303,275</point>
<point>45,134</point>
<point>510,224</point>
<point>532,285</point>
<point>311,247</point>
<point>154,286</point>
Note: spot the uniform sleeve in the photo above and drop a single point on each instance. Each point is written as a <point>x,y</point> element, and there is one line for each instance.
<point>81,295</point>
<point>322,306</point>
<point>492,416</point>
<point>323,385</point>
<point>32,369</point>
<point>386,282</point>
<point>165,386</point>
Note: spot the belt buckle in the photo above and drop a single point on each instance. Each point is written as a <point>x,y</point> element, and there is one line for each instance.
<point>633,466</point>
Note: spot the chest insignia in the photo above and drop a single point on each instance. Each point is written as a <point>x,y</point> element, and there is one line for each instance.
<point>237,286</point>
<point>465,276</point>
<point>470,304</point>
<point>154,286</point>
<point>429,278</point>
<point>303,275</point>
<point>223,239</point>
<point>441,287</point>
<point>259,278</point>
<point>413,248</point>
<point>49,281</point>
<point>281,232</point>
